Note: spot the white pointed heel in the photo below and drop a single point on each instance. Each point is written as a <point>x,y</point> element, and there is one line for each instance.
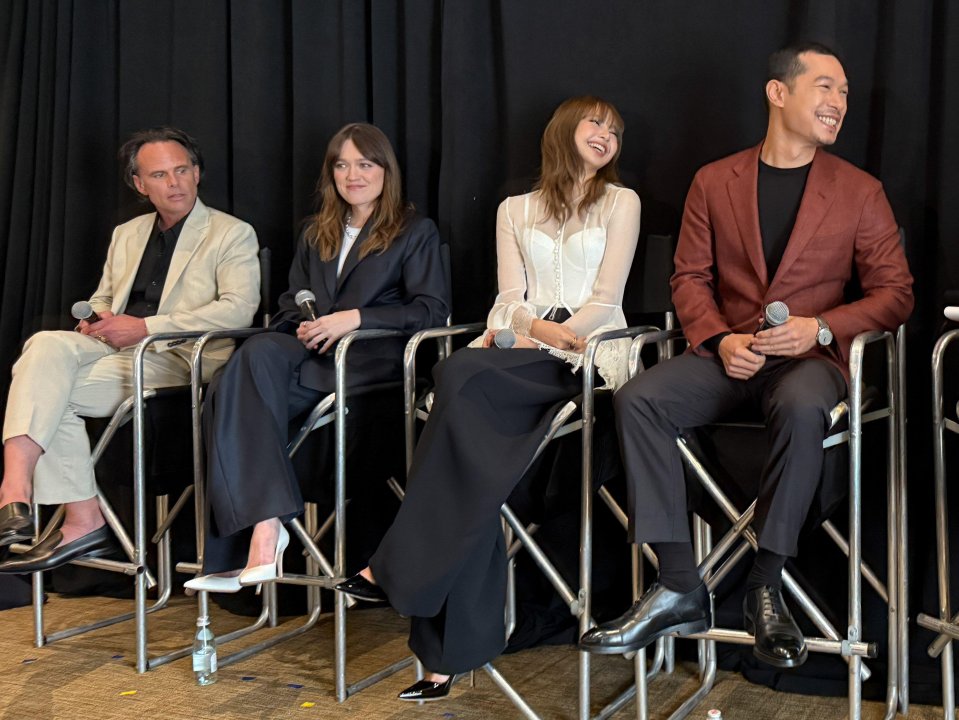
<point>215,583</point>
<point>272,571</point>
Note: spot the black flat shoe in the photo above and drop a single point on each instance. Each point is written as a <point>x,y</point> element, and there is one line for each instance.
<point>359,588</point>
<point>16,523</point>
<point>659,612</point>
<point>45,555</point>
<point>427,690</point>
<point>779,641</point>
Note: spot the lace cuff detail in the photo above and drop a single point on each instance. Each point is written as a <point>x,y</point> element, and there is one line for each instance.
<point>611,361</point>
<point>521,321</point>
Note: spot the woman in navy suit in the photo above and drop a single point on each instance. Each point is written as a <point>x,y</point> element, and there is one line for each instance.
<point>371,263</point>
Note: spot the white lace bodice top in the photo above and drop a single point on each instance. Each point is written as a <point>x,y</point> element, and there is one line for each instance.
<point>579,265</point>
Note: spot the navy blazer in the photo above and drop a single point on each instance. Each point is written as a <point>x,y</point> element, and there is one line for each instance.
<point>403,288</point>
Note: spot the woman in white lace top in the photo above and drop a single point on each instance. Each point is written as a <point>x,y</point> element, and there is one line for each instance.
<point>564,252</point>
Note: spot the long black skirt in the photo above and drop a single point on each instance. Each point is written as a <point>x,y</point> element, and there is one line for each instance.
<point>443,561</point>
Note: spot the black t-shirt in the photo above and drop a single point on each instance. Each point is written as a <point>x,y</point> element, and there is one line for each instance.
<point>154,266</point>
<point>780,193</point>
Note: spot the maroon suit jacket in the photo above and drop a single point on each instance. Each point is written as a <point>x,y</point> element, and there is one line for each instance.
<point>844,221</point>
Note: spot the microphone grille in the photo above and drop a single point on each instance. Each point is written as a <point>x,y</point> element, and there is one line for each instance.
<point>504,338</point>
<point>776,313</point>
<point>81,310</point>
<point>303,296</point>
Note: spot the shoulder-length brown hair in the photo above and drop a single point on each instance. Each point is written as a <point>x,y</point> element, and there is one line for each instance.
<point>325,230</point>
<point>562,165</point>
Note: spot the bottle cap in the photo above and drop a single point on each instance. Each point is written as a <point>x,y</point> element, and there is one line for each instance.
<point>714,714</point>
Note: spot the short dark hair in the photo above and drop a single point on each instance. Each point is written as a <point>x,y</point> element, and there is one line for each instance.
<point>785,65</point>
<point>162,133</point>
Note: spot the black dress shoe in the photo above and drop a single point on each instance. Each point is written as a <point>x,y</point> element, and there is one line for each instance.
<point>778,639</point>
<point>427,690</point>
<point>359,588</point>
<point>659,612</point>
<point>45,555</point>
<point>16,523</point>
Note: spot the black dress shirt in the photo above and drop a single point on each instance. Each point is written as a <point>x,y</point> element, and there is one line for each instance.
<point>154,266</point>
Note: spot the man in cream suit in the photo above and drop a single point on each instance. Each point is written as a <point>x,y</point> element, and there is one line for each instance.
<point>185,267</point>
<point>783,221</point>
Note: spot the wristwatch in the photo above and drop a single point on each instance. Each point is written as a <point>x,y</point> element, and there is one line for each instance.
<point>824,336</point>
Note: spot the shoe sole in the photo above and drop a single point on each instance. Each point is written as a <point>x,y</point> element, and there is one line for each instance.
<point>14,538</point>
<point>361,598</point>
<point>774,660</point>
<point>422,699</point>
<point>689,628</point>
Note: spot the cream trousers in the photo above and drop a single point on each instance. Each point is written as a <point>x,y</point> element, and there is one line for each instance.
<point>60,378</point>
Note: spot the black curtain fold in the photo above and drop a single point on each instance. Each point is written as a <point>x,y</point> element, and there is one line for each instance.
<point>463,89</point>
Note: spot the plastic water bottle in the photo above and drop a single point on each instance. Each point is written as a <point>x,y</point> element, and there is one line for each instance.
<point>204,652</point>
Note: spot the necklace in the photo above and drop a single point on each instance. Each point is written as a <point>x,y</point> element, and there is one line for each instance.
<point>351,232</point>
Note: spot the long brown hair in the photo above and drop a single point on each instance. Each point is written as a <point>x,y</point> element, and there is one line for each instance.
<point>562,165</point>
<point>325,230</point>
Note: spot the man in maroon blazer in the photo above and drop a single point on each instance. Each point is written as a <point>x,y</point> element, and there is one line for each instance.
<point>782,221</point>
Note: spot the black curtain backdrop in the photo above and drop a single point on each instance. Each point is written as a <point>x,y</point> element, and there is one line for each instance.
<point>464,90</point>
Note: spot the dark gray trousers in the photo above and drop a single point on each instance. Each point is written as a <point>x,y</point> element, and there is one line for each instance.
<point>794,396</point>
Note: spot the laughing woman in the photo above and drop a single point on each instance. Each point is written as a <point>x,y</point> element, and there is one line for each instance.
<point>563,252</point>
<point>371,263</point>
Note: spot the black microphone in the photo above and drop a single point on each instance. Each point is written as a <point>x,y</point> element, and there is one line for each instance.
<point>82,310</point>
<point>306,301</point>
<point>504,338</point>
<point>775,314</point>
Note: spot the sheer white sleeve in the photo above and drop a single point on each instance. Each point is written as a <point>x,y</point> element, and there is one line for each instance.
<point>510,310</point>
<point>622,235</point>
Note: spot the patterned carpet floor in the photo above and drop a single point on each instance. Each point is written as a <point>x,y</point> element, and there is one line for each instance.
<point>93,676</point>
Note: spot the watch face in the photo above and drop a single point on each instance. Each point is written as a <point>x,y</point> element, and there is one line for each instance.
<point>825,336</point>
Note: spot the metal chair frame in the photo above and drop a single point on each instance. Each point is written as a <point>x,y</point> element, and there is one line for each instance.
<point>135,548</point>
<point>320,572</point>
<point>520,536</point>
<point>740,538</point>
<point>946,624</point>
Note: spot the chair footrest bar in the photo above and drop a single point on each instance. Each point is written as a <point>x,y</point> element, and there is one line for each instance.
<point>126,568</point>
<point>310,581</point>
<point>379,675</point>
<point>815,644</point>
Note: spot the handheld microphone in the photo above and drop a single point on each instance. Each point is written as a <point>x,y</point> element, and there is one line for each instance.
<point>306,301</point>
<point>82,310</point>
<point>504,338</point>
<point>775,314</point>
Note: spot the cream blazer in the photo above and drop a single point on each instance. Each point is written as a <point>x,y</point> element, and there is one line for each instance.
<point>213,282</point>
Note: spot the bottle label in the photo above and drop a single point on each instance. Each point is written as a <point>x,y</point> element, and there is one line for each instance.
<point>204,663</point>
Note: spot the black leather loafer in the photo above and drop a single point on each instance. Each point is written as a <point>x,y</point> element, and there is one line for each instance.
<point>359,588</point>
<point>427,690</point>
<point>45,555</point>
<point>16,523</point>
<point>778,640</point>
<point>659,612</point>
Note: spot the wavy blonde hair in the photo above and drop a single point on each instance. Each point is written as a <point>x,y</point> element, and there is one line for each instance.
<point>561,166</point>
<point>325,229</point>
